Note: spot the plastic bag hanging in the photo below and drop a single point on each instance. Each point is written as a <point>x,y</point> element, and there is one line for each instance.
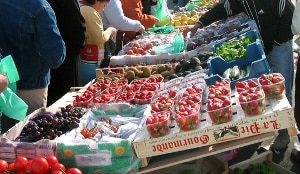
<point>8,68</point>
<point>162,14</point>
<point>10,104</point>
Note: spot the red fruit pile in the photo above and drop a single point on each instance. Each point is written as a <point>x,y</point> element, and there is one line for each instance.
<point>158,124</point>
<point>244,86</point>
<point>38,165</point>
<point>164,101</point>
<point>219,109</point>
<point>84,100</point>
<point>252,101</point>
<point>187,114</point>
<point>272,84</point>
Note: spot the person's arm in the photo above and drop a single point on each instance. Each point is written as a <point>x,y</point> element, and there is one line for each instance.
<point>134,11</point>
<point>3,82</point>
<point>285,13</point>
<point>113,12</point>
<point>95,27</point>
<point>296,19</point>
<point>48,39</point>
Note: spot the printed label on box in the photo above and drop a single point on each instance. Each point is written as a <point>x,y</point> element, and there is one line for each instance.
<point>101,158</point>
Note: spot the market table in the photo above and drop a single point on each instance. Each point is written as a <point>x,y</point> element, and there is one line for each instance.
<point>278,110</point>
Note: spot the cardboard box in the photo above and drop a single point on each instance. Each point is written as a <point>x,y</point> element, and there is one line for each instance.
<point>104,153</point>
<point>265,156</point>
<point>10,149</point>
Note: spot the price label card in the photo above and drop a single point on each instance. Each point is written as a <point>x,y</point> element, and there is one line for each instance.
<point>101,158</point>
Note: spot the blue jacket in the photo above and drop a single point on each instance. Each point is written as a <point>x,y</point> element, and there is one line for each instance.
<point>28,32</point>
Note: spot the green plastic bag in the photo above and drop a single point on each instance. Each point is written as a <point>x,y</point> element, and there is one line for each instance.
<point>10,104</point>
<point>162,14</point>
<point>8,68</point>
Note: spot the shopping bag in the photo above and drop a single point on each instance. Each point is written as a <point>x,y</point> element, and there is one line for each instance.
<point>8,68</point>
<point>89,52</point>
<point>162,14</point>
<point>12,105</point>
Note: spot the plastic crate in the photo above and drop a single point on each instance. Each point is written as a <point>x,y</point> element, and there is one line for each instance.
<point>249,34</point>
<point>255,57</point>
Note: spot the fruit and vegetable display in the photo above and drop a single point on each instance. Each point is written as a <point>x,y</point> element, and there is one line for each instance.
<point>221,30</point>
<point>155,100</point>
<point>38,165</point>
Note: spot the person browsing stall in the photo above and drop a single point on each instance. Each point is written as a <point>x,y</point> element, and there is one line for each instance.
<point>29,33</point>
<point>90,10</point>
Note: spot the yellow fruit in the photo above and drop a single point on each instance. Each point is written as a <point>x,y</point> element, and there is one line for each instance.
<point>191,21</point>
<point>177,23</point>
<point>184,17</point>
<point>183,23</point>
<point>177,18</point>
<point>172,23</point>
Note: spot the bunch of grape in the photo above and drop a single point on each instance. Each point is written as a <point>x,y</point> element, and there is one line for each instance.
<point>50,126</point>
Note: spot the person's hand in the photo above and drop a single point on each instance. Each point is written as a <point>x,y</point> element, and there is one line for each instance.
<point>192,29</point>
<point>142,29</point>
<point>112,31</point>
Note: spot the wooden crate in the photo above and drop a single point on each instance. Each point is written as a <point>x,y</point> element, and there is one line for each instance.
<point>278,115</point>
<point>265,156</point>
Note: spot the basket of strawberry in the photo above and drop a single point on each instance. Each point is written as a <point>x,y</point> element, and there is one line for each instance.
<point>188,112</point>
<point>219,109</point>
<point>252,101</point>
<point>272,84</point>
<point>158,124</point>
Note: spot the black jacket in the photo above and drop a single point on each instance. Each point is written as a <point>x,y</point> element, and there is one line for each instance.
<point>273,17</point>
<point>70,22</point>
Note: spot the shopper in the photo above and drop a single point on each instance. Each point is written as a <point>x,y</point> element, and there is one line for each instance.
<point>133,11</point>
<point>71,25</point>
<point>30,35</point>
<point>96,35</point>
<point>273,19</point>
<point>296,31</point>
<point>113,16</point>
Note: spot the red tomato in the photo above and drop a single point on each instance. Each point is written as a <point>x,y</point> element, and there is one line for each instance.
<point>11,167</point>
<point>21,163</point>
<point>58,167</point>
<point>39,165</point>
<point>51,159</point>
<point>3,166</point>
<point>74,171</point>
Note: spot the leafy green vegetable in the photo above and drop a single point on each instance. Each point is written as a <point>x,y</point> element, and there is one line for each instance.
<point>233,49</point>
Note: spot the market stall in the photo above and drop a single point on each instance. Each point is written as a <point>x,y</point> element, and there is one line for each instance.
<point>163,101</point>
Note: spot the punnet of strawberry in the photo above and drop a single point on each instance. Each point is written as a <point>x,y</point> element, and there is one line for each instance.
<point>252,101</point>
<point>272,84</point>
<point>158,124</point>
<point>188,112</point>
<point>219,109</point>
